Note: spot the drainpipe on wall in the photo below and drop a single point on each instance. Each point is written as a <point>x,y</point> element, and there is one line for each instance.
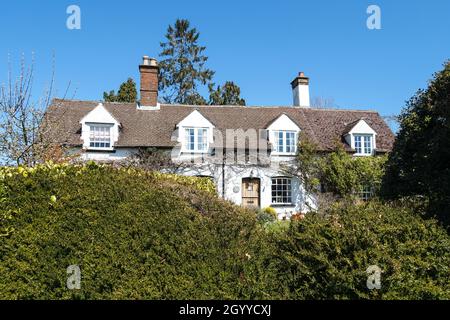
<point>223,174</point>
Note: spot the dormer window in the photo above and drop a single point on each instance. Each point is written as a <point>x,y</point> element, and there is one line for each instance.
<point>361,138</point>
<point>100,136</point>
<point>99,130</point>
<point>283,135</point>
<point>285,141</point>
<point>363,144</point>
<point>196,139</point>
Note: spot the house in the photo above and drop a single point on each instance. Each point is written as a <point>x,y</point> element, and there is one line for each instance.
<point>243,149</point>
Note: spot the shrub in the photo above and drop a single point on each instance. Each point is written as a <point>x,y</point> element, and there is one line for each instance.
<point>266,215</point>
<point>144,235</point>
<point>326,257</point>
<point>134,235</point>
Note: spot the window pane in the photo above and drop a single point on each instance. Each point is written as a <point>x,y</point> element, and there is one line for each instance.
<point>190,138</point>
<point>358,147</point>
<point>281,191</point>
<point>290,142</point>
<point>366,193</point>
<point>100,136</point>
<point>279,141</point>
<point>367,145</point>
<point>202,139</point>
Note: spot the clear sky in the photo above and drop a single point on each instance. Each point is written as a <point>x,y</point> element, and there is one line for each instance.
<point>261,45</point>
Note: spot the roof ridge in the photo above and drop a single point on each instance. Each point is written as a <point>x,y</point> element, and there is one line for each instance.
<point>268,107</point>
<point>307,109</point>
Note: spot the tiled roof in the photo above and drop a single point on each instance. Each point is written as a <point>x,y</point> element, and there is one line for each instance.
<point>145,128</point>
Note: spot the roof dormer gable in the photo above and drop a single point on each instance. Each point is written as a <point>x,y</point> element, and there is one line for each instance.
<point>99,115</point>
<point>196,120</point>
<point>360,127</point>
<point>283,122</point>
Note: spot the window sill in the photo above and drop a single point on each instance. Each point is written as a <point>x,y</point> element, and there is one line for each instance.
<point>278,205</point>
<point>286,154</point>
<point>194,152</point>
<point>108,150</point>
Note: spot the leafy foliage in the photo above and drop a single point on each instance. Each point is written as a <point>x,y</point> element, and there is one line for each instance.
<point>338,172</point>
<point>345,175</point>
<point>127,93</point>
<point>326,257</point>
<point>145,235</point>
<point>133,234</point>
<point>420,161</point>
<point>228,94</point>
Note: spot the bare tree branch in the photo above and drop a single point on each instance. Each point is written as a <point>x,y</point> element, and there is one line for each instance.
<point>24,135</point>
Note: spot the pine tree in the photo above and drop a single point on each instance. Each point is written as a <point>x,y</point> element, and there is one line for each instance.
<point>127,93</point>
<point>228,94</point>
<point>182,67</point>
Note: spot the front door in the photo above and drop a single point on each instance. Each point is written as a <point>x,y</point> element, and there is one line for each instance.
<point>250,192</point>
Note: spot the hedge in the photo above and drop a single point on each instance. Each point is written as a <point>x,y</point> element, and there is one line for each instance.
<point>144,235</point>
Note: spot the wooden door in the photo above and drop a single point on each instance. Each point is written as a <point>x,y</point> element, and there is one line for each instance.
<point>250,192</point>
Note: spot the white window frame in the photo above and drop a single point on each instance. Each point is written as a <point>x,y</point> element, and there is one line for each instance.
<point>284,146</point>
<point>285,181</point>
<point>366,193</point>
<point>187,143</point>
<point>109,127</point>
<point>364,150</point>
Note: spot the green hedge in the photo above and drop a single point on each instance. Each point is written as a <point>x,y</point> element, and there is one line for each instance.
<point>134,234</point>
<point>142,235</point>
<point>327,257</point>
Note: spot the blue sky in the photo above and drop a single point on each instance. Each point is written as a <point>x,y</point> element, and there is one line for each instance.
<point>261,45</point>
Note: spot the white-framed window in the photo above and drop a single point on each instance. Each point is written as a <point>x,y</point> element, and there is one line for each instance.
<point>100,136</point>
<point>363,144</point>
<point>285,141</point>
<point>366,193</point>
<point>196,139</point>
<point>281,190</point>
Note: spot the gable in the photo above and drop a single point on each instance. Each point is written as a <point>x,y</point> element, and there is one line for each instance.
<point>361,127</point>
<point>195,119</point>
<point>283,122</point>
<point>99,115</point>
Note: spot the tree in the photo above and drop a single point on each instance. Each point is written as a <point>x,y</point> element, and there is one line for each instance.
<point>182,67</point>
<point>419,164</point>
<point>25,137</point>
<point>334,175</point>
<point>323,103</point>
<point>127,93</point>
<point>228,94</point>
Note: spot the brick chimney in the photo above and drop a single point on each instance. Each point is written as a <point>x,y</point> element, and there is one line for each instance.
<point>149,82</point>
<point>300,90</point>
